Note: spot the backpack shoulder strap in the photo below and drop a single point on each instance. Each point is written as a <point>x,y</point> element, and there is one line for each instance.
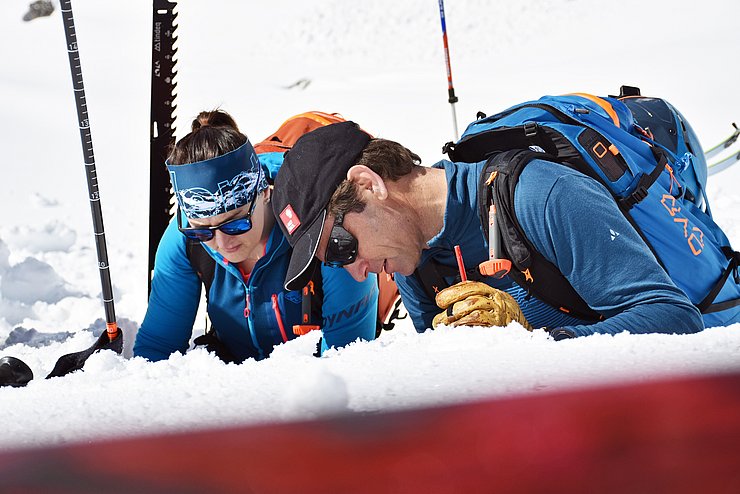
<point>203,264</point>
<point>205,267</point>
<point>530,269</point>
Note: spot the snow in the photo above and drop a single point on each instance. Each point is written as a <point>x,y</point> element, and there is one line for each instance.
<point>379,63</point>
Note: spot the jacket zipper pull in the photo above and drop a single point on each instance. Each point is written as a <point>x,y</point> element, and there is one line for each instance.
<point>246,307</point>
<point>279,317</point>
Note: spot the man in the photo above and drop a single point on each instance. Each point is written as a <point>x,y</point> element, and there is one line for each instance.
<point>367,205</point>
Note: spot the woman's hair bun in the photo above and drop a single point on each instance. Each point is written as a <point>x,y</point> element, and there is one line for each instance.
<point>214,118</point>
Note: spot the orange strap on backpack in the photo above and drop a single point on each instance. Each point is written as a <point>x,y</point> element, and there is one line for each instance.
<point>603,104</point>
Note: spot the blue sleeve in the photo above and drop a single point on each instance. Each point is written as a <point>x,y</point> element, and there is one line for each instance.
<point>420,307</point>
<point>578,227</point>
<point>350,308</point>
<point>173,302</point>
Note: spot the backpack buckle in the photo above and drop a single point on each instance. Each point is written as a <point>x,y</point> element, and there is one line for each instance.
<point>530,129</point>
<point>637,196</point>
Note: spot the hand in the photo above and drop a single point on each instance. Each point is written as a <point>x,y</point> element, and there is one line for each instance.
<point>472,303</point>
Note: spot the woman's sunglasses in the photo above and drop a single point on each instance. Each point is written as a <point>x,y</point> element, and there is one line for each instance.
<point>236,226</point>
<point>342,247</point>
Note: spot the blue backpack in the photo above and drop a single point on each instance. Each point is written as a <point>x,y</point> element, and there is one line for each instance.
<point>647,156</point>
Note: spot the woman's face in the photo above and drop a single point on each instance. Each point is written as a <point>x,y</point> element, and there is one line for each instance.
<point>238,248</point>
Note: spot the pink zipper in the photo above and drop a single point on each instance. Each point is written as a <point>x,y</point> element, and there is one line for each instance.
<point>276,308</point>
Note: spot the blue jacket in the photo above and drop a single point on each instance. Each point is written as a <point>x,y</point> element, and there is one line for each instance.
<point>569,218</point>
<point>247,315</point>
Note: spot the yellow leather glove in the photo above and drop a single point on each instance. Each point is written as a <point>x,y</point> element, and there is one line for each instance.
<point>472,303</point>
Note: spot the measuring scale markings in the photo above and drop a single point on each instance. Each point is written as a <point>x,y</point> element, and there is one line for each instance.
<point>89,159</point>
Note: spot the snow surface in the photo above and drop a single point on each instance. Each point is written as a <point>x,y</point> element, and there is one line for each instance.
<point>378,62</point>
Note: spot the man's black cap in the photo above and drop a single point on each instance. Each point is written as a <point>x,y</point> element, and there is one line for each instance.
<point>311,172</point>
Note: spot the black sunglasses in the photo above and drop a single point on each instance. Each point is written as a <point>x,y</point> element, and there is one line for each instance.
<point>236,226</point>
<point>342,247</point>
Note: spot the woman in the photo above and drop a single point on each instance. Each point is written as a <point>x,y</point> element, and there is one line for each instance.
<point>225,237</point>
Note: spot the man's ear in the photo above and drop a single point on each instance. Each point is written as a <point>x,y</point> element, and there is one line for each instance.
<point>366,179</point>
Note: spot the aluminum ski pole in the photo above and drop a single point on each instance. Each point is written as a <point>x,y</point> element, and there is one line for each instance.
<point>89,159</point>
<point>450,88</point>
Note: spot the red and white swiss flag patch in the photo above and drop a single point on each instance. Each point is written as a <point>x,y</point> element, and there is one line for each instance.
<point>290,219</point>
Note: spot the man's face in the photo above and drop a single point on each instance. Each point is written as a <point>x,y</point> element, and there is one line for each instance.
<point>386,241</point>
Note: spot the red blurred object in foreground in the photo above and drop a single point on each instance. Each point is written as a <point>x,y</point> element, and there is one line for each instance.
<point>676,436</point>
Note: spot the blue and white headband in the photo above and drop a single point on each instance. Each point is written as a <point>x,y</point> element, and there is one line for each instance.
<point>210,187</point>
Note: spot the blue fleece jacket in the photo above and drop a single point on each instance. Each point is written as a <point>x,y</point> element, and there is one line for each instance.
<point>573,221</point>
<point>250,317</point>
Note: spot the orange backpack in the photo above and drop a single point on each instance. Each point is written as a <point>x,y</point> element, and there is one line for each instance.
<point>293,128</point>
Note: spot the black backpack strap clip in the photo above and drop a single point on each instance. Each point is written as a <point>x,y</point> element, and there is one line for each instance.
<point>530,129</point>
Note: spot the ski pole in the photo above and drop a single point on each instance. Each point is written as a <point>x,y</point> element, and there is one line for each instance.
<point>14,372</point>
<point>89,160</point>
<point>450,88</point>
